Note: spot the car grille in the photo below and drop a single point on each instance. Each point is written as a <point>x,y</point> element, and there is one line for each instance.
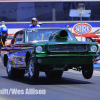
<point>67,48</point>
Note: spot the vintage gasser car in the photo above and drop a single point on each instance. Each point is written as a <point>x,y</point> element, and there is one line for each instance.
<point>93,37</point>
<point>51,50</point>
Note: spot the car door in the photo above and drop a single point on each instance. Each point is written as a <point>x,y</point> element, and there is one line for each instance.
<point>16,50</point>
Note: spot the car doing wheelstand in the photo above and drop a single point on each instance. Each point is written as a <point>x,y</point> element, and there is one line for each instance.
<point>50,50</point>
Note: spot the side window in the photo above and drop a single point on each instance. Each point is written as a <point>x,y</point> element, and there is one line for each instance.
<point>98,32</point>
<point>18,38</point>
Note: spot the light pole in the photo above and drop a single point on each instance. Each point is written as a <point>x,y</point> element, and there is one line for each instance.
<point>80,12</point>
<point>81,9</point>
<point>81,24</point>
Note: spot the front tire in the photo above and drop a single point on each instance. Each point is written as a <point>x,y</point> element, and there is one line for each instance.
<point>33,69</point>
<point>88,39</point>
<point>87,71</point>
<point>54,74</point>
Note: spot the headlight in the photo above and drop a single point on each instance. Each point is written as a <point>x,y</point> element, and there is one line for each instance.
<point>38,49</point>
<point>93,48</point>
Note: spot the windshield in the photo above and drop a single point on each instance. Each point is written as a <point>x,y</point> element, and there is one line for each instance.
<point>96,31</point>
<point>44,34</point>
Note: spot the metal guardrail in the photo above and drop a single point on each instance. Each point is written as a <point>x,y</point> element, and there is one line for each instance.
<point>53,22</point>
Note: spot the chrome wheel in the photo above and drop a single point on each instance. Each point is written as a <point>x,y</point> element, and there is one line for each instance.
<point>89,39</point>
<point>10,71</point>
<point>31,68</point>
<point>8,67</point>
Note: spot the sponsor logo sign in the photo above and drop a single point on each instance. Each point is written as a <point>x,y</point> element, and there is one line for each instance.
<point>86,28</point>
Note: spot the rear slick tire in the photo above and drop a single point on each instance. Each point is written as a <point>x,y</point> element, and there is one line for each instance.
<point>10,71</point>
<point>13,72</point>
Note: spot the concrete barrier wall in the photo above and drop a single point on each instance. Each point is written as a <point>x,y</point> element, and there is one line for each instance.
<point>14,27</point>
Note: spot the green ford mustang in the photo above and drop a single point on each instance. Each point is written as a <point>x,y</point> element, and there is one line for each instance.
<point>51,50</point>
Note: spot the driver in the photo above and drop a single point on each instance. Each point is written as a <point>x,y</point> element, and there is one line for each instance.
<point>34,23</point>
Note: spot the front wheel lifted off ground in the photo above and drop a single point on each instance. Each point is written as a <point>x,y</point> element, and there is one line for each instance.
<point>33,69</point>
<point>87,71</point>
